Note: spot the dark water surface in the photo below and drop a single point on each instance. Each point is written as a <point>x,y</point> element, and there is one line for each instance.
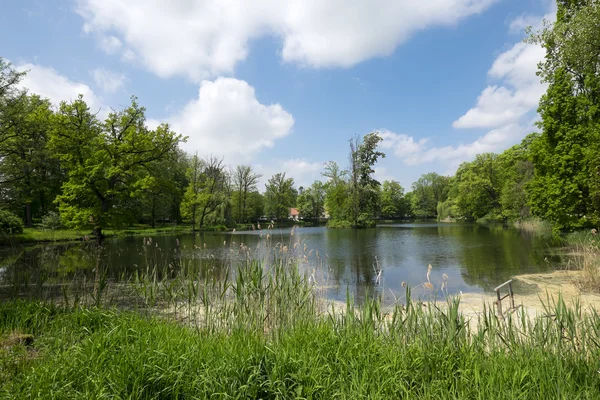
<point>475,258</point>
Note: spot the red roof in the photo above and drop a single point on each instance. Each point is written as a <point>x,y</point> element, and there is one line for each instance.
<point>294,212</point>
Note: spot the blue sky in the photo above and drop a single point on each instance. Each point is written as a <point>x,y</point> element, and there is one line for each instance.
<point>284,85</point>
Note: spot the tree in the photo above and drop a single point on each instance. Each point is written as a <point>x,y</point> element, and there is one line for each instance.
<point>363,187</point>
<point>160,192</point>
<point>311,202</point>
<point>27,169</point>
<point>429,190</point>
<point>9,93</point>
<point>393,203</point>
<point>245,181</point>
<point>280,195</point>
<point>336,191</point>
<point>104,160</point>
<point>207,194</point>
<point>565,188</point>
<point>479,185</point>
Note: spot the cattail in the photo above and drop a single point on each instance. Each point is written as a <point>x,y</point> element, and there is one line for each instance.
<point>403,284</point>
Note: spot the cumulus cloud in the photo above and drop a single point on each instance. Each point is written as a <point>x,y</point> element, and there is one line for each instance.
<point>518,94</point>
<point>303,171</point>
<point>227,119</point>
<point>452,156</point>
<point>48,83</point>
<point>201,39</point>
<point>402,145</point>
<point>505,108</point>
<point>108,81</point>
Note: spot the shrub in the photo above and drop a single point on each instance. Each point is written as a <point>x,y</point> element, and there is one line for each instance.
<point>10,223</point>
<point>51,221</point>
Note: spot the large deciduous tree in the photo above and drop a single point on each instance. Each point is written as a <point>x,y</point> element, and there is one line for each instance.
<point>565,188</point>
<point>104,160</point>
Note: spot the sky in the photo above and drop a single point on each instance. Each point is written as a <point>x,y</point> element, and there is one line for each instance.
<point>284,85</point>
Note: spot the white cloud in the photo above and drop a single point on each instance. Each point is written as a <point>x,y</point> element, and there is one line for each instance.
<point>520,92</point>
<point>402,145</point>
<point>304,172</point>
<point>48,83</point>
<point>506,108</point>
<point>201,39</point>
<point>110,44</point>
<point>452,156</point>
<point>108,81</point>
<point>227,119</point>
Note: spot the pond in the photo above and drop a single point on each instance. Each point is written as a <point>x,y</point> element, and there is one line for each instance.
<point>464,257</point>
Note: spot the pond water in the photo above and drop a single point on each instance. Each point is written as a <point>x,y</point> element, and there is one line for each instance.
<point>467,257</point>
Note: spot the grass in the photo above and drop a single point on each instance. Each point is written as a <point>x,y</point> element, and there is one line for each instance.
<point>585,246</point>
<point>262,331</point>
<point>534,225</point>
<point>37,235</point>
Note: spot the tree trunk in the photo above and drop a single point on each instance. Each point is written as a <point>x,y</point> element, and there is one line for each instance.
<point>153,212</point>
<point>28,215</point>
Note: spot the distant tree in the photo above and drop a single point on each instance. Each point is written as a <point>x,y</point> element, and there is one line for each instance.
<point>479,184</point>
<point>393,203</point>
<point>244,181</point>
<point>429,190</point>
<point>208,192</point>
<point>311,202</point>
<point>280,195</point>
<point>363,187</point>
<point>336,191</point>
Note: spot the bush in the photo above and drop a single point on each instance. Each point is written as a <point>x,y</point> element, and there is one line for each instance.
<point>9,223</point>
<point>51,221</point>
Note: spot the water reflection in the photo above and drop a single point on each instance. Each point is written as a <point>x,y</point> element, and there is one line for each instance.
<point>475,258</point>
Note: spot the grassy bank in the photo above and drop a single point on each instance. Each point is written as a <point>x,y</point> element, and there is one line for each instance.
<point>37,235</point>
<point>263,332</point>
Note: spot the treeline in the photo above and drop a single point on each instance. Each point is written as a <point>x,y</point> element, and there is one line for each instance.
<point>64,167</point>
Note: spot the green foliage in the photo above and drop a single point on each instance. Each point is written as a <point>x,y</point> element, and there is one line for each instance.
<point>280,196</point>
<point>10,224</point>
<point>51,221</point>
<point>311,202</point>
<point>105,161</point>
<point>566,185</point>
<point>393,203</point>
<point>427,192</point>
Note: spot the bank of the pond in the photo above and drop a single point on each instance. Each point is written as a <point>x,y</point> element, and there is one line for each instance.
<point>37,235</point>
<point>50,352</point>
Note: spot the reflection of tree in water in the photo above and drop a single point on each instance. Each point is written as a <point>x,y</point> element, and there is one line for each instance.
<point>499,254</point>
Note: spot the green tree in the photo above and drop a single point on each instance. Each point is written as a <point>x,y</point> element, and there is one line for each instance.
<point>429,190</point>
<point>363,190</point>
<point>27,169</point>
<point>280,195</point>
<point>104,160</point>
<point>565,188</point>
<point>311,202</point>
<point>393,203</point>
<point>244,181</point>
<point>208,194</point>
<point>336,191</point>
<point>479,186</point>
